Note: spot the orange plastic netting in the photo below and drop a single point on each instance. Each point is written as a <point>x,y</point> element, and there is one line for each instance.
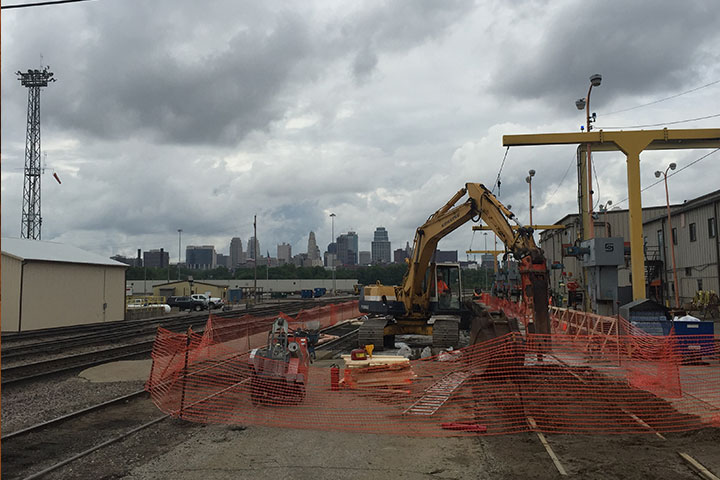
<point>584,378</point>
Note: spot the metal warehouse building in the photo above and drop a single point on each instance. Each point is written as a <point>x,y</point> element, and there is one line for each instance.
<point>47,284</point>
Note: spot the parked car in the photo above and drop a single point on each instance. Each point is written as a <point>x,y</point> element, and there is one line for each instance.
<point>186,303</point>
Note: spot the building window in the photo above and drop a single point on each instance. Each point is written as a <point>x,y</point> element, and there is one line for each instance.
<point>712,227</point>
<point>674,235</point>
<point>688,271</point>
<point>693,232</point>
<point>700,285</point>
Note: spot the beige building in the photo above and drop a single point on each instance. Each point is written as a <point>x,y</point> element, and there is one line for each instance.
<point>47,284</point>
<point>182,288</point>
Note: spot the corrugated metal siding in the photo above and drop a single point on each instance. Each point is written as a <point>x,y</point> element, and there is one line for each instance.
<point>60,294</point>
<point>11,269</point>
<point>700,256</point>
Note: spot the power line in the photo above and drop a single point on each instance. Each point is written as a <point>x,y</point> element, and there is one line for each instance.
<point>40,4</point>
<point>572,161</point>
<point>662,99</point>
<point>673,173</point>
<point>662,124</point>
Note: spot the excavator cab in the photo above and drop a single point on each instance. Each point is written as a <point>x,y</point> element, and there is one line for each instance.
<point>446,290</point>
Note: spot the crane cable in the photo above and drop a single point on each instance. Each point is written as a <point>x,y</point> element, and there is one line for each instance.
<point>497,180</point>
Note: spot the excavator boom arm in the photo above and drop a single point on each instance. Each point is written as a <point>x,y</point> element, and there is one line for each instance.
<point>483,204</point>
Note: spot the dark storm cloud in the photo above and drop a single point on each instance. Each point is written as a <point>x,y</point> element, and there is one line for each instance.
<point>230,88</point>
<point>175,72</point>
<point>647,47</point>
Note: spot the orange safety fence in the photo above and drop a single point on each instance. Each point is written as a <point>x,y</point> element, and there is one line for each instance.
<point>581,384</point>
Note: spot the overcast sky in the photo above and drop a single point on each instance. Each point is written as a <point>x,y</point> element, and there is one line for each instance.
<point>171,114</point>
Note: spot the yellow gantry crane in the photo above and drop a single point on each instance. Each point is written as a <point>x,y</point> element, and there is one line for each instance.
<point>631,143</point>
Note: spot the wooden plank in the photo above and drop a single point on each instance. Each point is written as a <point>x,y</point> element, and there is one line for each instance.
<point>698,467</point>
<point>376,360</point>
<point>641,422</point>
<point>548,449</point>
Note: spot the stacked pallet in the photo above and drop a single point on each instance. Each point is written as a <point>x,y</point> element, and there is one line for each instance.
<point>379,371</point>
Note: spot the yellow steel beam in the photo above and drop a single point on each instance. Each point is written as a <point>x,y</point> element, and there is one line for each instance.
<point>515,227</point>
<point>631,143</point>
<point>608,141</point>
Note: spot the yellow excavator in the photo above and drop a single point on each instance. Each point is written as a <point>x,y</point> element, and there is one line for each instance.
<point>430,301</point>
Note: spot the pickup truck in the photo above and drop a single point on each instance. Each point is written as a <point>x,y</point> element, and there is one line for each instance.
<point>210,302</point>
<point>186,303</point>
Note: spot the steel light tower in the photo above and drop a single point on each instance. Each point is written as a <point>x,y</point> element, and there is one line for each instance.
<point>31,216</point>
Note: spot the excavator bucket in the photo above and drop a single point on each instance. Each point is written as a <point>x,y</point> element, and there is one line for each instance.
<point>486,325</point>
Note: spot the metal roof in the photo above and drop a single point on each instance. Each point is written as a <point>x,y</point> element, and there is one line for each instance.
<point>36,250</point>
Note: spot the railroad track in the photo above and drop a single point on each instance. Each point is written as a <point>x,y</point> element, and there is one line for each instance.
<point>19,341</point>
<point>16,374</point>
<point>568,443</point>
<point>110,421</point>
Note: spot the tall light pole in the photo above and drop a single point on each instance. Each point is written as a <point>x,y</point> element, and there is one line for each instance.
<point>334,257</point>
<point>584,103</point>
<point>528,179</point>
<point>179,251</point>
<point>31,222</point>
<point>672,243</point>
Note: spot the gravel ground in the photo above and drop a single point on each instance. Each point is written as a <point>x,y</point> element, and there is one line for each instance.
<point>177,450</point>
<point>32,403</point>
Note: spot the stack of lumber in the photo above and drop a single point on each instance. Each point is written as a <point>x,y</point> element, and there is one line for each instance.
<point>389,371</point>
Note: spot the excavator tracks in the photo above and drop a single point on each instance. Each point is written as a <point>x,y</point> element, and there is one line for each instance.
<point>446,332</point>
<point>372,332</point>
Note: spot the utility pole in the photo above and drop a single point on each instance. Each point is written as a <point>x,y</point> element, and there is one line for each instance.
<point>334,257</point>
<point>31,223</point>
<point>179,251</point>
<point>255,249</point>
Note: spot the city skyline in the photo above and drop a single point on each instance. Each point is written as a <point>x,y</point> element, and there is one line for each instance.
<point>380,252</point>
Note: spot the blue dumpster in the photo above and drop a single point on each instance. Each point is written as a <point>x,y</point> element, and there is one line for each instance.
<point>695,339</point>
